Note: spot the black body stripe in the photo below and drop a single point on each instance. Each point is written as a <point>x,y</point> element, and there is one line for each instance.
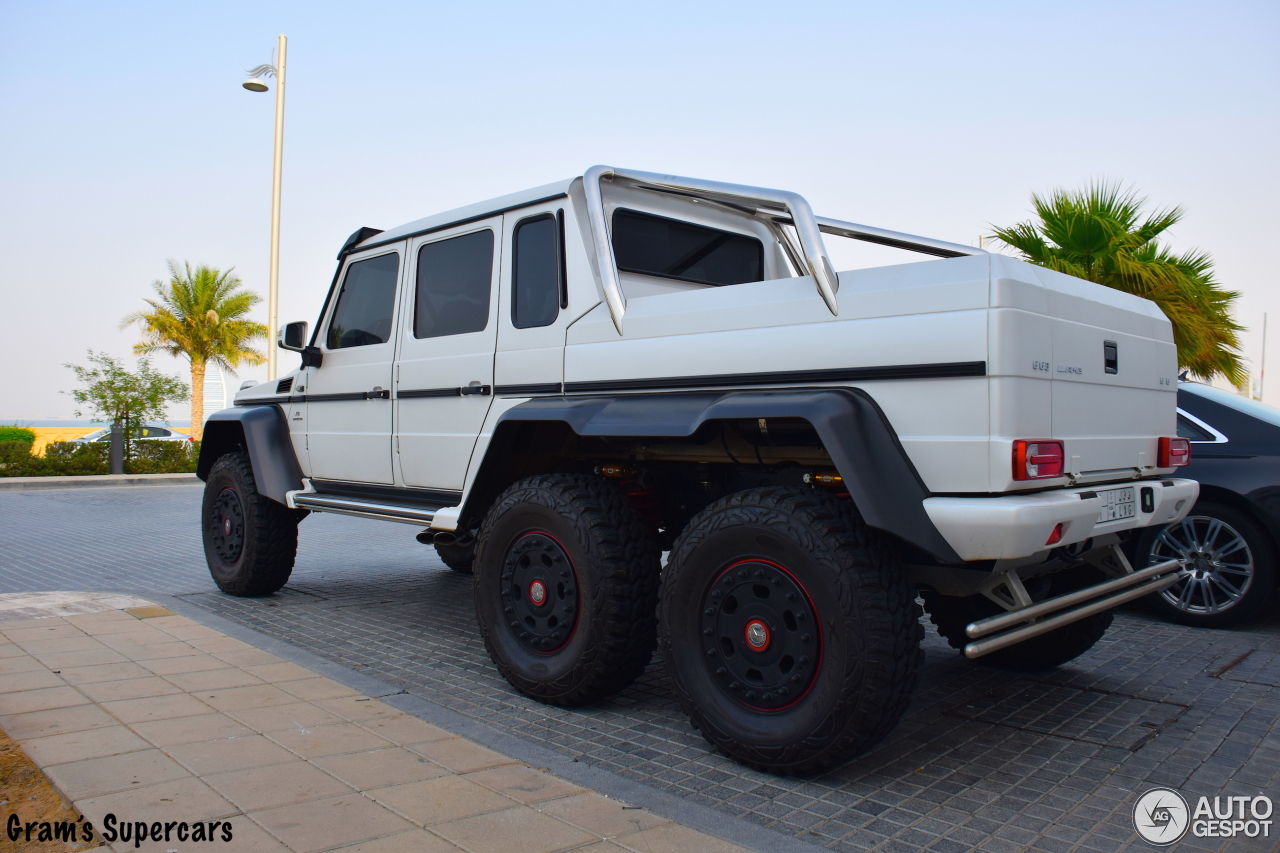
<point>535,388</point>
<point>790,377</point>
<point>429,392</point>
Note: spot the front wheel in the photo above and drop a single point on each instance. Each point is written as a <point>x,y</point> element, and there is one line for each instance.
<point>566,585</point>
<point>250,541</point>
<point>789,631</point>
<point>1228,566</point>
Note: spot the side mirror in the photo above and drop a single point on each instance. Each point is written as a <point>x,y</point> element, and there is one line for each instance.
<point>292,336</point>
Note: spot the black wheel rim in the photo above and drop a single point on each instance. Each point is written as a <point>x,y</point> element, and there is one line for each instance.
<point>1217,564</point>
<point>226,525</point>
<point>539,592</point>
<point>761,635</point>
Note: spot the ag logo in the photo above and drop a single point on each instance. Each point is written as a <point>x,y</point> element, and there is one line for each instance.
<point>1161,816</point>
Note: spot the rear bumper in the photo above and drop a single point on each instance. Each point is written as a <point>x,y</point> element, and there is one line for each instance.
<point>1008,527</point>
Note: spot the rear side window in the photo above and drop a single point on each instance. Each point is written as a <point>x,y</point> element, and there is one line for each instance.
<point>1186,429</point>
<point>536,272</point>
<point>455,277</point>
<point>655,245</point>
<point>363,314</point>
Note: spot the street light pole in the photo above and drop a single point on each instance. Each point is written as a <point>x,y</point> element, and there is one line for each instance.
<point>273,293</point>
<point>255,84</point>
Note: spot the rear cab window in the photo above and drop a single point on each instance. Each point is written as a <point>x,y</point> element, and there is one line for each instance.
<point>455,277</point>
<point>670,248</point>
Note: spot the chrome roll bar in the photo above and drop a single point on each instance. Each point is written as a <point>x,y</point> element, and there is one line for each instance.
<point>779,206</point>
<point>788,204</point>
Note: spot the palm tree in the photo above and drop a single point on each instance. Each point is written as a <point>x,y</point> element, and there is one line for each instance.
<point>1102,234</point>
<point>200,314</point>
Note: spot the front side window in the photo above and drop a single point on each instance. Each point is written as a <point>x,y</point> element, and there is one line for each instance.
<point>535,291</point>
<point>363,314</point>
<point>455,278</point>
<point>655,245</point>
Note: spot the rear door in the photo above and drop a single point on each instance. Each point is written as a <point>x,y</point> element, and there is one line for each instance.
<point>348,396</point>
<point>444,381</point>
<point>532,312</point>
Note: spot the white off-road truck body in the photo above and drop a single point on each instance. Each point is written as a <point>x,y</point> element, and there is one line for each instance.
<point>688,340</point>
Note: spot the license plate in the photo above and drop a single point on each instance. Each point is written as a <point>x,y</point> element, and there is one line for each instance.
<point>1117,504</point>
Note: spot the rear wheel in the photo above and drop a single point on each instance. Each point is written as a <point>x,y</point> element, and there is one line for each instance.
<point>566,587</point>
<point>1228,566</point>
<point>789,631</point>
<point>951,615</point>
<point>250,541</point>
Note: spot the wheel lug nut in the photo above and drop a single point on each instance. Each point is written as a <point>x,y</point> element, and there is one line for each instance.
<point>524,635</point>
<point>564,574</point>
<point>804,638</point>
<point>802,615</point>
<point>706,632</point>
<point>508,610</point>
<point>767,697</point>
<point>751,694</point>
<point>710,611</point>
<point>791,596</point>
<point>759,573</point>
<point>716,593</point>
<point>804,658</point>
<point>733,685</point>
<point>711,653</point>
<point>721,670</point>
<point>795,679</point>
<point>783,691</point>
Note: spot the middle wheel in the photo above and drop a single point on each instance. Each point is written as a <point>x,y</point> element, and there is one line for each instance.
<point>566,588</point>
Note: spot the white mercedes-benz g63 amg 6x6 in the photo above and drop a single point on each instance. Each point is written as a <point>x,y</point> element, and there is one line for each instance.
<point>559,385</point>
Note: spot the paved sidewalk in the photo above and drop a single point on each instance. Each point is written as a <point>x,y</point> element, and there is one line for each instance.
<point>151,716</point>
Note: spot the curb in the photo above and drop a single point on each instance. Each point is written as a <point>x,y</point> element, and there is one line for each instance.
<point>24,484</point>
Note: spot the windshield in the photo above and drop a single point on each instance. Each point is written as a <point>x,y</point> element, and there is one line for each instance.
<point>1253,408</point>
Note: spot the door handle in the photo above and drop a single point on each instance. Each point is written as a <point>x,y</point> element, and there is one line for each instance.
<point>475,389</point>
<point>377,394</point>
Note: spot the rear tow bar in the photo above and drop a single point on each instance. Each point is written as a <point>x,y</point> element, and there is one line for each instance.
<point>1030,621</point>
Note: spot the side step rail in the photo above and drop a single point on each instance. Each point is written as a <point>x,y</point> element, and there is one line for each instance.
<point>1101,597</point>
<point>319,502</point>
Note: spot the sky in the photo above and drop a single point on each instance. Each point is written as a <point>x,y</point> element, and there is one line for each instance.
<point>127,138</point>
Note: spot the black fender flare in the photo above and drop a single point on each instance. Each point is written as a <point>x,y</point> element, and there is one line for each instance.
<point>880,477</point>
<point>263,432</point>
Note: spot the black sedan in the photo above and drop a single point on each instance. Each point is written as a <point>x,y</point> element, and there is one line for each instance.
<point>1228,544</point>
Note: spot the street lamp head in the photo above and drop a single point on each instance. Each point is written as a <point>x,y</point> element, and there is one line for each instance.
<point>253,84</point>
<point>256,83</point>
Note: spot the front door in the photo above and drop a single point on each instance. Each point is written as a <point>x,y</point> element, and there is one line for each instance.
<point>348,396</point>
<point>444,381</point>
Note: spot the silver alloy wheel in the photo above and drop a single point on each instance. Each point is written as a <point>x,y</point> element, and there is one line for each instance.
<point>1217,565</point>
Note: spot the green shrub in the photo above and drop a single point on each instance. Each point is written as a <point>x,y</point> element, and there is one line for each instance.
<point>17,434</point>
<point>69,458</point>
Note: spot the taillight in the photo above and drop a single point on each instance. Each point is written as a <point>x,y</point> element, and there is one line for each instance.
<point>1037,459</point>
<point>1174,452</point>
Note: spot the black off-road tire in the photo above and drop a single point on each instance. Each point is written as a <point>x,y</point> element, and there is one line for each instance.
<point>1240,541</point>
<point>952,614</point>
<point>595,546</point>
<point>806,567</point>
<point>250,541</point>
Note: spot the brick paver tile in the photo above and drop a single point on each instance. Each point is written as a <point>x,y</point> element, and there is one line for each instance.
<point>221,643</point>
<point>19,662</point>
<point>329,740</point>
<point>312,689</point>
<point>299,715</point>
<point>520,828</point>
<point>76,746</point>
<point>89,657</point>
<point>358,709</point>
<point>45,699</point>
<point>524,784</point>
<point>240,753</point>
<point>601,815</point>
<point>78,643</point>
<point>33,631</point>
<point>279,785</point>
<point>674,838</point>
<point>405,730</point>
<point>240,698</point>
<point>333,822</point>
<point>247,657</point>
<point>414,841</point>
<point>156,708</point>
<point>186,663</point>
<point>94,777</point>
<point>213,679</point>
<point>460,754</point>
<point>103,672</point>
<point>438,800</point>
<point>186,799</point>
<point>36,678</point>
<point>380,768</point>
<point>58,721</point>
<point>191,729</point>
<point>131,688</point>
<point>276,672</point>
<point>157,651</point>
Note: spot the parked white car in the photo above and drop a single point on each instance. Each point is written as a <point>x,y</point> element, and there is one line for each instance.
<point>149,433</point>
<point>559,384</point>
